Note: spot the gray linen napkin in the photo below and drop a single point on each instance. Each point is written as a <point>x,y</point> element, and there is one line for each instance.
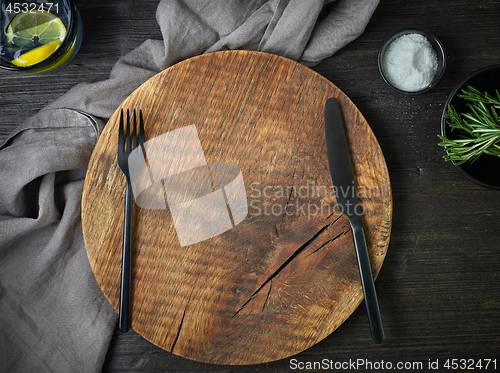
<point>53,316</point>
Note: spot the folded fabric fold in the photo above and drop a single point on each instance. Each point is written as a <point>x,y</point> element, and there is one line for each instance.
<point>53,316</point>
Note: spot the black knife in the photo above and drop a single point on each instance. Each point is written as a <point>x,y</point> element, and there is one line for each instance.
<point>347,202</point>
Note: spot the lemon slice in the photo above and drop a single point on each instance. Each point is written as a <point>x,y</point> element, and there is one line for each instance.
<point>36,55</point>
<point>35,28</point>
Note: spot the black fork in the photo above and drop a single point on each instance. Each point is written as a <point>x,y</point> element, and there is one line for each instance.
<point>126,143</point>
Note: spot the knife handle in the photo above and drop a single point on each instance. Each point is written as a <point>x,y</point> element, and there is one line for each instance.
<point>365,271</point>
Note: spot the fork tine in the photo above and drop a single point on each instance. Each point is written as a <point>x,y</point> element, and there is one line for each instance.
<point>142,137</point>
<point>120,134</point>
<point>134,132</point>
<point>128,147</point>
<point>142,140</point>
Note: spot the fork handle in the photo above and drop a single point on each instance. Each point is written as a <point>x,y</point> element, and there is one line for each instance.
<point>124,315</point>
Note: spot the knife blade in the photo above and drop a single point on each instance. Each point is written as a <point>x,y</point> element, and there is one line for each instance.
<point>342,176</point>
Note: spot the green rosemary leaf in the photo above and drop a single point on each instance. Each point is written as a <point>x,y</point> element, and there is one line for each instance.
<point>478,129</point>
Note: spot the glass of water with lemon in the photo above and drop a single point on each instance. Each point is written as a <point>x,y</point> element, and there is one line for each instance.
<point>39,35</point>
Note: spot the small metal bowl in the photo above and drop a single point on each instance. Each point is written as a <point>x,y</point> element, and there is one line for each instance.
<point>485,171</point>
<point>436,45</point>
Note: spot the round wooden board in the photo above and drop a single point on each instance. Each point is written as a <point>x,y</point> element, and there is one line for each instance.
<point>286,276</point>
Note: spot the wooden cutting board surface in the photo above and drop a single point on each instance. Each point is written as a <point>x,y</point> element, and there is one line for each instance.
<point>283,278</point>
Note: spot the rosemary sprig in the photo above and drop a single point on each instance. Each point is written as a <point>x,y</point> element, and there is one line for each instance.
<point>479,129</point>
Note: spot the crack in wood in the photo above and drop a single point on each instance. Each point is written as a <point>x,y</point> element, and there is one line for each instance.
<point>181,323</point>
<point>285,263</point>
<point>330,241</point>
<point>268,295</point>
<point>288,201</point>
<point>285,210</point>
<point>178,330</point>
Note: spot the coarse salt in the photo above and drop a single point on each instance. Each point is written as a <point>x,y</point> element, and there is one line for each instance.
<point>410,63</point>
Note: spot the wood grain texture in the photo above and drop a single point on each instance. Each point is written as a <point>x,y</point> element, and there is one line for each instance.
<point>286,276</point>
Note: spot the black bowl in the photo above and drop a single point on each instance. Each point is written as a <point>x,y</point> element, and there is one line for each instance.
<point>436,45</point>
<point>485,171</point>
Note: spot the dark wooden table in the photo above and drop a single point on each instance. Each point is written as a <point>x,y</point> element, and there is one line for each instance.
<point>439,285</point>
